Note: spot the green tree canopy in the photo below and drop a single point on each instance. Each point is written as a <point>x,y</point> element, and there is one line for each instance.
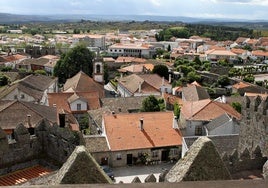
<point>223,80</point>
<point>4,79</point>
<point>177,110</point>
<point>78,58</point>
<point>161,70</point>
<point>237,106</point>
<point>193,76</point>
<point>150,104</point>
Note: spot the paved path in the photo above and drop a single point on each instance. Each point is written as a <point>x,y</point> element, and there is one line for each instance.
<point>127,174</point>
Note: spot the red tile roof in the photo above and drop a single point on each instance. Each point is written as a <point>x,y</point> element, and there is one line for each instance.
<point>22,176</point>
<point>123,132</point>
<point>61,100</point>
<point>172,99</point>
<point>207,110</point>
<point>81,82</point>
<point>240,85</point>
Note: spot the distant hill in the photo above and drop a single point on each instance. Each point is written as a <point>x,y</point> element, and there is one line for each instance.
<point>6,18</point>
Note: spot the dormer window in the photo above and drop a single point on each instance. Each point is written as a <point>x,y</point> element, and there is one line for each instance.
<point>78,106</point>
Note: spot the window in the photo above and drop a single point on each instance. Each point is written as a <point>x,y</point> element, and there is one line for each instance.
<point>78,106</point>
<point>22,96</point>
<point>174,151</point>
<point>155,153</point>
<point>98,69</point>
<point>15,97</point>
<point>198,131</point>
<point>118,156</point>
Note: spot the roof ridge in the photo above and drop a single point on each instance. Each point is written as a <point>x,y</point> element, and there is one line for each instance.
<point>24,103</point>
<point>9,104</point>
<point>202,107</point>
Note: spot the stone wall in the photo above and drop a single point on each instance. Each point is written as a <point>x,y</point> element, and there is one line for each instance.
<point>254,125</point>
<point>245,161</point>
<point>52,143</point>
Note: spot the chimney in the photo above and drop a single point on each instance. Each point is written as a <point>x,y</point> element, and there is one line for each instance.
<point>29,120</point>
<point>54,105</point>
<point>169,78</point>
<point>175,123</point>
<point>163,81</point>
<point>113,113</point>
<point>139,87</point>
<point>141,124</point>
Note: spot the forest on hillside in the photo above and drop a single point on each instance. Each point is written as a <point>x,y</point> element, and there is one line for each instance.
<point>219,33</point>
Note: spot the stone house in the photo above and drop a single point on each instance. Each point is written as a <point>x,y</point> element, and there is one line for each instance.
<point>216,55</point>
<point>76,103</point>
<point>196,114</point>
<point>194,92</point>
<point>33,88</point>
<point>81,82</point>
<point>12,60</point>
<point>245,87</point>
<point>14,112</point>
<point>141,138</point>
<point>143,85</point>
<point>222,125</point>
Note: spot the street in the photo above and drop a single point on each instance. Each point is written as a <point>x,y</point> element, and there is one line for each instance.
<point>128,173</point>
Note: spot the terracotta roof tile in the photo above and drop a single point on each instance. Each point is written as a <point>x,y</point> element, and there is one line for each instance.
<point>206,110</point>
<point>240,85</point>
<point>123,132</point>
<point>83,83</point>
<point>24,175</point>
<point>61,100</point>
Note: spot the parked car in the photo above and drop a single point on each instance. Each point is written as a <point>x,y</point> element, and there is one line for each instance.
<point>108,171</point>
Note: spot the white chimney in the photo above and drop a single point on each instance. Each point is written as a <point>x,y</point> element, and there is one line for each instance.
<point>223,99</point>
<point>175,123</point>
<point>139,87</point>
<point>141,124</point>
<point>169,78</point>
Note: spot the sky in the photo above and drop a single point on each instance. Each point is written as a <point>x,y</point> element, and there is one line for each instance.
<point>227,9</point>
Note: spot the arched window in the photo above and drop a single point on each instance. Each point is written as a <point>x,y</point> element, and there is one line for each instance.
<point>98,69</point>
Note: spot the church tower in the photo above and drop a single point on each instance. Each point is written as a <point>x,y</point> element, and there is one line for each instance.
<point>98,70</point>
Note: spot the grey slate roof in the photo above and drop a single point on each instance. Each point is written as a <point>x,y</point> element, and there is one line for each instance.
<point>96,144</point>
<point>225,143</point>
<point>118,105</point>
<point>221,120</point>
<point>14,112</point>
<point>194,93</point>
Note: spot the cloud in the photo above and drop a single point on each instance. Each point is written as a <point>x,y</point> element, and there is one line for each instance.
<point>247,2</point>
<point>155,2</point>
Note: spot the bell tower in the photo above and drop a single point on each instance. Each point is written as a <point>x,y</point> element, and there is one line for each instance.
<point>98,70</point>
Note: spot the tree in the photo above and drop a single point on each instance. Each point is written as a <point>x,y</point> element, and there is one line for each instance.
<point>105,73</point>
<point>84,122</point>
<point>249,78</point>
<point>177,110</point>
<point>223,80</point>
<point>237,106</point>
<point>150,104</point>
<point>4,79</point>
<point>80,58</point>
<point>193,76</point>
<point>161,70</point>
<point>42,72</point>
<point>169,48</point>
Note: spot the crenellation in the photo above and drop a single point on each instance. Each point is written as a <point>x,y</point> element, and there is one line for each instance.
<point>50,142</point>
